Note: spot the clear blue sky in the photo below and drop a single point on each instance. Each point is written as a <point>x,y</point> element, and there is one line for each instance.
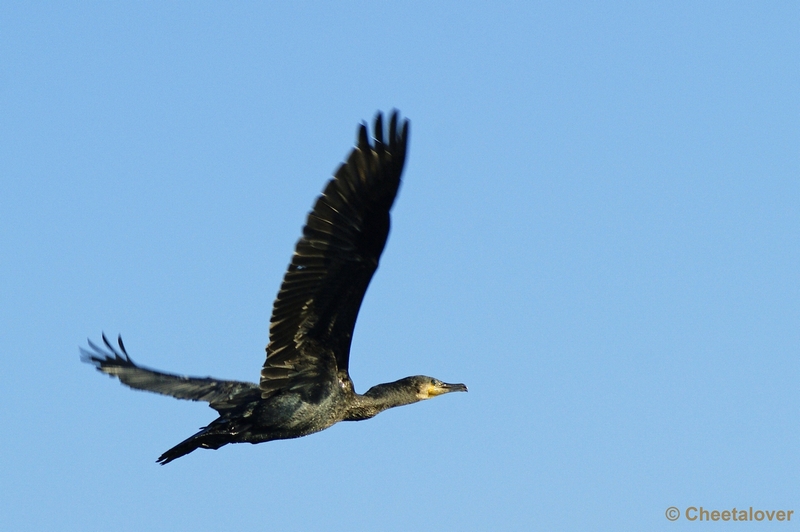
<point>598,232</point>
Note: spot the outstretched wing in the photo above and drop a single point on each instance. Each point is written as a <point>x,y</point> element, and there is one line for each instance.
<point>116,363</point>
<point>345,233</point>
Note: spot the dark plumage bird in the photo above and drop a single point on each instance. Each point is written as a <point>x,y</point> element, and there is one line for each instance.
<point>305,386</point>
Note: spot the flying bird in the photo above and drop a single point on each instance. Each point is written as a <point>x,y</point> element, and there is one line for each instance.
<point>305,386</point>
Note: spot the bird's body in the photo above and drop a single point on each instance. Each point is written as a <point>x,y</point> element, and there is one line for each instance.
<point>305,386</point>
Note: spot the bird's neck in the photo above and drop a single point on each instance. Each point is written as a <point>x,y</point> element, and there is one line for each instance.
<point>380,398</point>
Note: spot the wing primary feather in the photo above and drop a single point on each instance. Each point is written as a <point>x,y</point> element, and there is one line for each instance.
<point>117,363</point>
<point>316,308</point>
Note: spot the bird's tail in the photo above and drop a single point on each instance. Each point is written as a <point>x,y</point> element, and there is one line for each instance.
<point>206,438</point>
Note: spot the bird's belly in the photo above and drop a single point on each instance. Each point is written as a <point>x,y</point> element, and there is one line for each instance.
<point>290,417</point>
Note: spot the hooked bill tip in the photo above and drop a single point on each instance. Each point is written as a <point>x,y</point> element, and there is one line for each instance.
<point>457,387</point>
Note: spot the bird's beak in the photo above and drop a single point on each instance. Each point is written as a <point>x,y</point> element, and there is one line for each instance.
<point>446,388</point>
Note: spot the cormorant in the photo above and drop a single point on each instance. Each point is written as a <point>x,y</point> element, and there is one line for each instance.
<point>305,386</point>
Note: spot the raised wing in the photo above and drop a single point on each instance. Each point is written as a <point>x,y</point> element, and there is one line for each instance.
<point>116,363</point>
<point>345,233</point>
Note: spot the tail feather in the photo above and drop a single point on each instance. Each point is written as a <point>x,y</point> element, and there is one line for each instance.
<point>204,439</point>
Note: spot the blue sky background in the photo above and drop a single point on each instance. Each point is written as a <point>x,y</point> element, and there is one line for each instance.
<point>598,232</point>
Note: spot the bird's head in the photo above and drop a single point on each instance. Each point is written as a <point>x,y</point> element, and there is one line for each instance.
<point>409,390</point>
<point>427,387</point>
